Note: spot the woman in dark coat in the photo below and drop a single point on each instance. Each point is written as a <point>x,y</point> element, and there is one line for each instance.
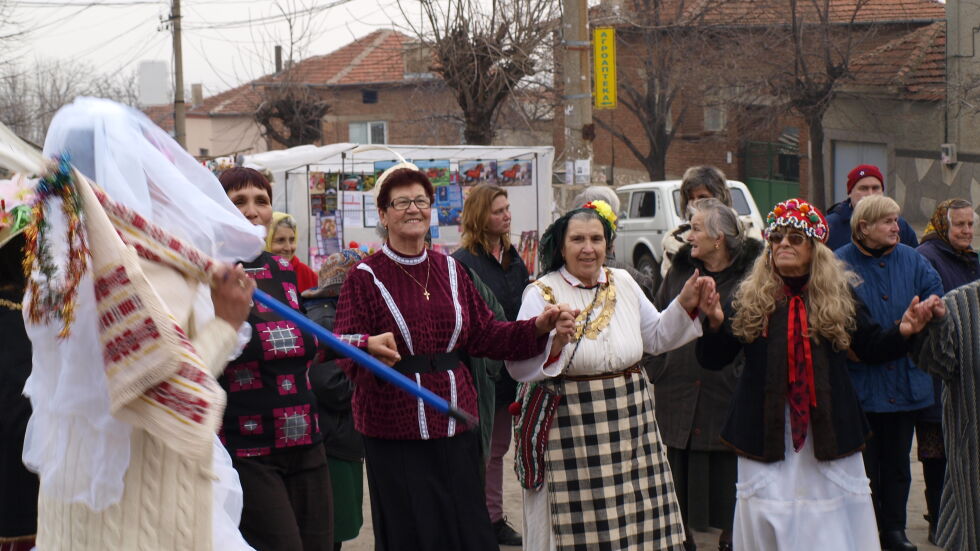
<point>692,403</point>
<point>18,486</point>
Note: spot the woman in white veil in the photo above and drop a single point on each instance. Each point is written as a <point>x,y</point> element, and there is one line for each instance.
<point>105,483</point>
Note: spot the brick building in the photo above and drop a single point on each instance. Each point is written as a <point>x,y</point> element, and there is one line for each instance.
<point>379,90</point>
<point>896,62</point>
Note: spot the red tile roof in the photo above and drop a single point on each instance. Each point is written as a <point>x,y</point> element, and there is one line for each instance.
<point>374,59</point>
<point>913,65</point>
<point>237,101</point>
<point>768,12</point>
<point>161,115</point>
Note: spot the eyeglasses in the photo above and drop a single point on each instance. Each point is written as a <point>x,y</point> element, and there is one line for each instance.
<point>402,203</point>
<point>795,239</point>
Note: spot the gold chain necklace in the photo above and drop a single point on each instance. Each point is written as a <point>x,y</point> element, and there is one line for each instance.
<point>425,288</point>
<point>10,304</point>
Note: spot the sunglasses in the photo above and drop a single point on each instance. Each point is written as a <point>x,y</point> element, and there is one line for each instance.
<point>795,239</point>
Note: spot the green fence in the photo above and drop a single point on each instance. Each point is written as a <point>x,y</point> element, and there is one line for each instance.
<point>772,172</point>
<point>769,192</point>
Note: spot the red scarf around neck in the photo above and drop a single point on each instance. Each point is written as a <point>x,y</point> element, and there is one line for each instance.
<point>801,391</point>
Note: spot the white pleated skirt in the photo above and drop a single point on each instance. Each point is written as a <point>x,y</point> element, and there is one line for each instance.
<point>801,504</point>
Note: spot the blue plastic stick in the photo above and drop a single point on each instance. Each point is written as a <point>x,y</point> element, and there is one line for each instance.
<point>364,359</point>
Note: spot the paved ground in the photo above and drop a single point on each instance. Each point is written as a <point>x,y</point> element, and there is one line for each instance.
<point>706,541</point>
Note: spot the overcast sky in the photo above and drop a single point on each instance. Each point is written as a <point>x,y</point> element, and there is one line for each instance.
<point>225,42</point>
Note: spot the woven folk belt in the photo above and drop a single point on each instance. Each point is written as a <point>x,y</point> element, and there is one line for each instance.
<point>628,372</point>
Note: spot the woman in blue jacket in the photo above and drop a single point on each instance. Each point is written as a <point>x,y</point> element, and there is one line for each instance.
<point>891,393</point>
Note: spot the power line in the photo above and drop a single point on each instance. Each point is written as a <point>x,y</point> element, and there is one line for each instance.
<point>267,19</point>
<point>42,4</point>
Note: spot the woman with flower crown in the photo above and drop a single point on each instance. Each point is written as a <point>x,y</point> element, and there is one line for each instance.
<point>795,420</point>
<point>606,483</point>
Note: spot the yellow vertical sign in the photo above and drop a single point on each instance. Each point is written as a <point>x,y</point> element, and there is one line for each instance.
<point>604,58</point>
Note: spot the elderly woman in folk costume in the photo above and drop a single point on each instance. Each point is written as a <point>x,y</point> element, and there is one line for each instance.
<point>603,480</point>
<point>795,420</point>
<point>424,468</point>
<point>123,434</point>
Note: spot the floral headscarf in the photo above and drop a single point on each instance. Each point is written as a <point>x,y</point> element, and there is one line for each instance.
<point>938,227</point>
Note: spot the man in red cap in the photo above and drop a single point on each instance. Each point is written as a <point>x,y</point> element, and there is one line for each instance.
<point>864,180</point>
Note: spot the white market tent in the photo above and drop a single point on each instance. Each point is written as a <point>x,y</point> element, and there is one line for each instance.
<point>290,168</point>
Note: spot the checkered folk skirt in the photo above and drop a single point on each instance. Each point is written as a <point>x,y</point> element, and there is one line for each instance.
<point>609,483</point>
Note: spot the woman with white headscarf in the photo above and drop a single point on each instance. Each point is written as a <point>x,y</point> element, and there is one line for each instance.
<point>109,481</point>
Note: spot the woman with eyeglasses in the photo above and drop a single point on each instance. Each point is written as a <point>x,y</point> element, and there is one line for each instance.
<point>895,393</point>
<point>796,421</point>
<point>423,468</point>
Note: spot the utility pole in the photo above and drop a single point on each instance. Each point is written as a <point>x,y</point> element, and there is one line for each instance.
<point>577,98</point>
<point>180,132</point>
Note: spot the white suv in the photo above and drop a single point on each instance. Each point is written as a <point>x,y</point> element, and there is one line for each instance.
<point>650,210</point>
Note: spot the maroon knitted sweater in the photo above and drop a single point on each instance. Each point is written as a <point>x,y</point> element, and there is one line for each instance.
<point>381,410</point>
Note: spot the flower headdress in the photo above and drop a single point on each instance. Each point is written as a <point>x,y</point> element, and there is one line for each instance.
<point>801,215</point>
<point>604,211</point>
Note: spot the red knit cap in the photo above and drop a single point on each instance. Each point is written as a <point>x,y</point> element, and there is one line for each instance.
<point>863,171</point>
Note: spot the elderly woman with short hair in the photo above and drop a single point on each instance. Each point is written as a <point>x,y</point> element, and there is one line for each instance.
<point>699,182</point>
<point>892,393</point>
<point>692,403</point>
<point>795,419</point>
<point>423,467</point>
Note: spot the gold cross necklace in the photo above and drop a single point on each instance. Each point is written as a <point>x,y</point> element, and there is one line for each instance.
<point>425,288</point>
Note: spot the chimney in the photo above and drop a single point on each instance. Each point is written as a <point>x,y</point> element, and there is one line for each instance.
<point>197,94</point>
<point>278,59</point>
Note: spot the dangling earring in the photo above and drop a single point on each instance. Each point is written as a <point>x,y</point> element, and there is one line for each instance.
<point>716,245</point>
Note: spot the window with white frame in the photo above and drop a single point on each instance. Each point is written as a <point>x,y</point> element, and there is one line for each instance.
<point>368,132</point>
<point>714,118</point>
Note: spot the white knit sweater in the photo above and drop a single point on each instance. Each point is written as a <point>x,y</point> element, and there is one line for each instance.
<point>167,501</point>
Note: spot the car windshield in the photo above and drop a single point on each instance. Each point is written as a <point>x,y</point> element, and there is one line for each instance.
<point>739,201</point>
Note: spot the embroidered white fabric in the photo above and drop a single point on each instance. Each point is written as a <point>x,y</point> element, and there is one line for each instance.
<point>79,450</point>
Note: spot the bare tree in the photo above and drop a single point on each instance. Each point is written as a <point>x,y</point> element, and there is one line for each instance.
<point>817,41</point>
<point>670,62</point>
<point>483,50</point>
<point>290,111</point>
<point>29,97</point>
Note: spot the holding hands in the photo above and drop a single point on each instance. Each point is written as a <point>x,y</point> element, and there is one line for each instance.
<point>699,293</point>
<point>919,313</point>
<point>561,318</point>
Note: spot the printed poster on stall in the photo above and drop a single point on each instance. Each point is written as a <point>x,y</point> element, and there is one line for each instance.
<point>351,182</point>
<point>528,249</point>
<point>322,182</point>
<point>449,204</point>
<point>473,173</point>
<point>436,171</point>
<point>352,205</point>
<point>514,173</point>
